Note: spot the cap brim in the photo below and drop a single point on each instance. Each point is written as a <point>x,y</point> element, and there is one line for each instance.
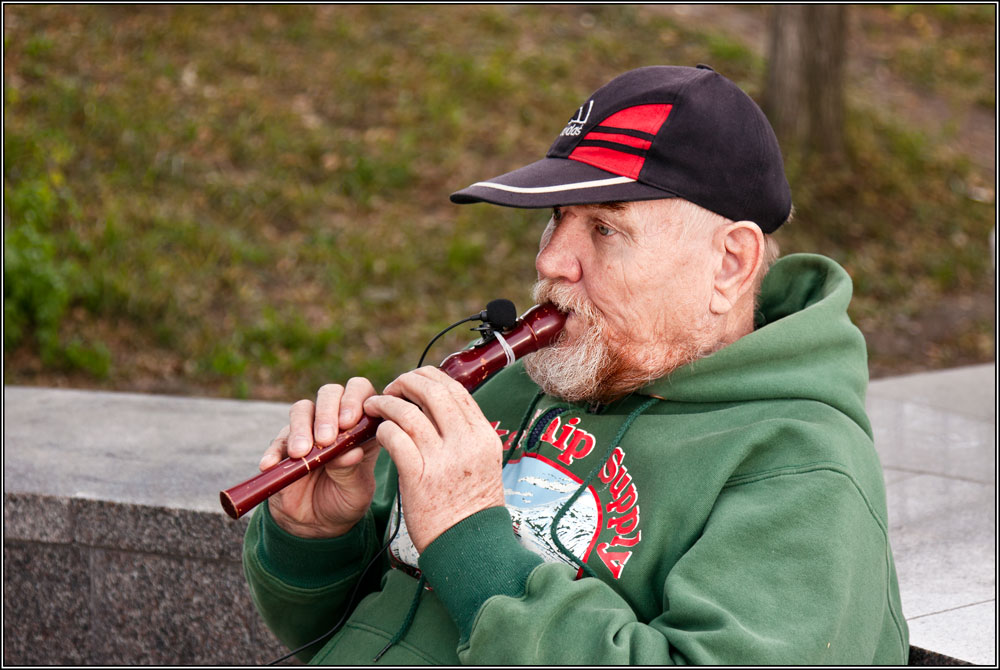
<point>553,182</point>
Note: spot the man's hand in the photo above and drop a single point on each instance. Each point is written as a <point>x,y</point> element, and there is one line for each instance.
<point>329,501</point>
<point>447,453</point>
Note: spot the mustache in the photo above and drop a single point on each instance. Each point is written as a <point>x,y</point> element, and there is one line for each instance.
<point>566,299</point>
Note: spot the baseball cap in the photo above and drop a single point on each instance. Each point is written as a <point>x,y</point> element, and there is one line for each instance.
<point>661,131</point>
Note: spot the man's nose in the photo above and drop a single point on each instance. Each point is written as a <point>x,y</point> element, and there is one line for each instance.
<point>559,256</point>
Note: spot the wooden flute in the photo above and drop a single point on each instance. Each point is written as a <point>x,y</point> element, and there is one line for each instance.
<point>536,328</point>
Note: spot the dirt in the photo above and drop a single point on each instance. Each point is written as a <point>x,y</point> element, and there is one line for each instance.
<point>942,334</point>
<point>869,80</point>
<point>923,341</point>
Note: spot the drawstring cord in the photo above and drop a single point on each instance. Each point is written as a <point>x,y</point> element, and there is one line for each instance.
<point>408,620</point>
<point>520,430</point>
<point>533,439</point>
<point>586,482</point>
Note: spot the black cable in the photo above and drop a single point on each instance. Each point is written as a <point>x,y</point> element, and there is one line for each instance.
<point>399,516</point>
<point>435,339</point>
<point>354,594</point>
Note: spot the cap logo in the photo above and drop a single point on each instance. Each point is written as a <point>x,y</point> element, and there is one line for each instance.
<point>619,144</point>
<point>576,124</point>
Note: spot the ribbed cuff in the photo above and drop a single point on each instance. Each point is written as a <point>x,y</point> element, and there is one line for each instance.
<point>306,562</point>
<point>474,560</point>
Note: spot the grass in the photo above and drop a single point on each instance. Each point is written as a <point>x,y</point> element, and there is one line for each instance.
<point>251,201</point>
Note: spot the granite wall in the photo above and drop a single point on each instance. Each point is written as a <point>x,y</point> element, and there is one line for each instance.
<point>95,582</point>
<point>115,549</point>
<point>117,552</point>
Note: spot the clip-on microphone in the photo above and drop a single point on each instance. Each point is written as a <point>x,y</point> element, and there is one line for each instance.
<point>499,315</point>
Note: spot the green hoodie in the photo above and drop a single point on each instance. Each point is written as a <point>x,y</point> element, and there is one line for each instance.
<point>731,513</point>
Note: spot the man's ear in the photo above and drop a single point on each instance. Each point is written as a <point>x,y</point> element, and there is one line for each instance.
<point>741,248</point>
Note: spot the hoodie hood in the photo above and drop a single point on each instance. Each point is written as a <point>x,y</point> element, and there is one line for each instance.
<point>804,347</point>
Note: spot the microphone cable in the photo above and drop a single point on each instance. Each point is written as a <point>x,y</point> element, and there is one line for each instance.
<point>354,593</point>
<point>499,314</point>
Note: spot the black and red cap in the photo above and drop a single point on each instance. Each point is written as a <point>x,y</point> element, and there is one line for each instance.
<point>657,132</point>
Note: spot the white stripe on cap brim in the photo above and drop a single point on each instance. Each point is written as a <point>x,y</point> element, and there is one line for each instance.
<point>555,188</point>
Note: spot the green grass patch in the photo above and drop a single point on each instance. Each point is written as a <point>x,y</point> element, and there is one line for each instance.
<point>252,200</point>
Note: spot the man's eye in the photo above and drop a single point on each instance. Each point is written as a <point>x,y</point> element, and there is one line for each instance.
<point>604,231</point>
<point>556,213</point>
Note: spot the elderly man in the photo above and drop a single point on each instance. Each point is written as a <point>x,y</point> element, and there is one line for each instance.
<point>686,476</point>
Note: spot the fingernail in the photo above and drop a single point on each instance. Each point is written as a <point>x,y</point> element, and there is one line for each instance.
<point>345,416</point>
<point>324,432</point>
<point>299,445</point>
<point>264,463</point>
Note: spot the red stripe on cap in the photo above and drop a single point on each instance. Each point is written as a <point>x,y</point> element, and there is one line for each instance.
<point>626,165</point>
<point>627,140</point>
<point>646,118</point>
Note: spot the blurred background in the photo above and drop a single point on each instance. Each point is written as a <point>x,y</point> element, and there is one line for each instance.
<point>251,201</point>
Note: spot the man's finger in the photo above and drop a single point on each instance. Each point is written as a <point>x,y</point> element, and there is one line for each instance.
<point>468,407</point>
<point>275,451</point>
<point>430,393</point>
<point>407,417</point>
<point>300,420</point>
<point>348,459</point>
<point>357,391</point>
<point>402,449</point>
<point>326,423</point>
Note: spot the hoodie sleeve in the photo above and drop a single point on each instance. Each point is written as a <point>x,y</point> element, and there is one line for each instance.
<point>781,574</point>
<point>300,586</point>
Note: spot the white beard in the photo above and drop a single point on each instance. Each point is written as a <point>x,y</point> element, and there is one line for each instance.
<point>571,371</point>
<point>597,367</point>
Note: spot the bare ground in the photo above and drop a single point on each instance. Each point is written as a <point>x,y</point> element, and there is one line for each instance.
<point>925,340</point>
<point>911,343</point>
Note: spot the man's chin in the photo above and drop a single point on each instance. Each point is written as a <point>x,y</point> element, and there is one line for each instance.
<point>577,369</point>
<point>574,369</point>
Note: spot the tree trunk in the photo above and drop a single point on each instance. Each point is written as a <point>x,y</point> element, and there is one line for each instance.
<point>826,27</point>
<point>783,93</point>
<point>804,89</point>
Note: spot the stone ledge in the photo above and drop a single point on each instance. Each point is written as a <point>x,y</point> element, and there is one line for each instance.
<point>116,550</point>
<point>935,433</point>
<point>157,451</point>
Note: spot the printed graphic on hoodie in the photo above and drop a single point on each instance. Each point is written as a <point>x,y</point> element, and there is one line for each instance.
<point>536,489</point>
<point>538,485</point>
